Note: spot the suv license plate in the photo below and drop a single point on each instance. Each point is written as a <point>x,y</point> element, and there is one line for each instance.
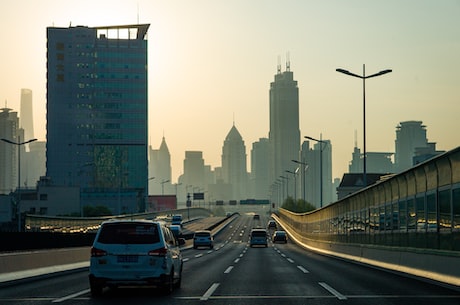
<point>127,258</point>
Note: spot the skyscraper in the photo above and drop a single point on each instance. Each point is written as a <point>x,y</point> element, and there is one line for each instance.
<point>284,134</point>
<point>194,170</point>
<point>409,136</point>
<point>259,170</point>
<point>97,110</point>
<point>234,167</point>
<point>9,128</point>
<point>160,168</point>
<point>319,159</point>
<point>26,118</point>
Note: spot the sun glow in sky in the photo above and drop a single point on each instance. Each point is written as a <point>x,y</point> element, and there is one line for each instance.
<point>211,63</point>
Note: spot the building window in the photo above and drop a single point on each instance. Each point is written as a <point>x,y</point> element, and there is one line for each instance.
<point>43,197</point>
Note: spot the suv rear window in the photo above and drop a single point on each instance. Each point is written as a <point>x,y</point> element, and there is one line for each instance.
<point>259,233</point>
<point>129,233</point>
<point>202,234</point>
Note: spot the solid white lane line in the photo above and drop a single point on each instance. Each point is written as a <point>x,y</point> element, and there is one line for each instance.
<point>303,269</point>
<point>333,291</point>
<point>70,296</point>
<point>228,269</point>
<point>209,292</point>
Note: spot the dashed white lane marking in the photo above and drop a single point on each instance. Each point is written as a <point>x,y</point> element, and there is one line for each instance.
<point>186,259</point>
<point>333,291</point>
<point>290,260</point>
<point>71,296</point>
<point>236,260</point>
<point>199,255</point>
<point>228,269</point>
<point>303,269</point>
<point>209,292</point>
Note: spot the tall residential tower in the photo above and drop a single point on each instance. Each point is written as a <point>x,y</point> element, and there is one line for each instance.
<point>97,113</point>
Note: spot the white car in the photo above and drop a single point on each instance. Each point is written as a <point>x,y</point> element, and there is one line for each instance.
<point>135,253</point>
<point>203,238</point>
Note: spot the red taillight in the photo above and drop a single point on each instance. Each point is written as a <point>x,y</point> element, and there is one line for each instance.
<point>95,252</point>
<point>158,252</point>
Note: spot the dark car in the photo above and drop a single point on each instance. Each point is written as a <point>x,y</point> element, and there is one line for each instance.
<point>258,237</point>
<point>279,236</point>
<point>271,224</point>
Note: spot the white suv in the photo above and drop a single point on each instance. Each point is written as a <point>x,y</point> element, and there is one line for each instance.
<point>135,252</point>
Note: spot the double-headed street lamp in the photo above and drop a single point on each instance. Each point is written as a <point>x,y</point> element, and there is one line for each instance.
<point>305,166</point>
<point>295,183</point>
<point>364,77</point>
<point>18,144</point>
<point>321,142</point>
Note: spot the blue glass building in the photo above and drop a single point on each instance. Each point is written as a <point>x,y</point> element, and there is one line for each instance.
<point>97,113</point>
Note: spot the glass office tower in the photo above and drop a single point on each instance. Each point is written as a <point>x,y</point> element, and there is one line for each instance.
<point>97,113</point>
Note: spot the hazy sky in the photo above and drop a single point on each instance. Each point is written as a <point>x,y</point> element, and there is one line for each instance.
<point>211,63</point>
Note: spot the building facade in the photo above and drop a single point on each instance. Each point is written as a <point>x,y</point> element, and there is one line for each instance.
<point>97,112</point>
<point>160,170</point>
<point>26,114</point>
<point>284,133</point>
<point>260,174</point>
<point>409,136</point>
<point>9,128</point>
<point>234,164</point>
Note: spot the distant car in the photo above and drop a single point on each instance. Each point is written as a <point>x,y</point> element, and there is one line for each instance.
<point>177,220</point>
<point>258,237</point>
<point>203,238</point>
<point>279,236</point>
<point>256,216</point>
<point>271,224</point>
<point>176,230</point>
<point>135,253</point>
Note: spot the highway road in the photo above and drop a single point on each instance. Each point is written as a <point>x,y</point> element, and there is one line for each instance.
<point>234,273</point>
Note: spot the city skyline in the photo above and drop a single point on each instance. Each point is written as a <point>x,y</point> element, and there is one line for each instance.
<point>196,90</point>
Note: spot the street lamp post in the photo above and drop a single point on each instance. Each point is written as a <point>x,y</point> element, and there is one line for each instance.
<point>163,186</point>
<point>303,176</point>
<point>287,185</point>
<point>295,184</point>
<point>18,206</point>
<point>364,77</point>
<point>321,142</point>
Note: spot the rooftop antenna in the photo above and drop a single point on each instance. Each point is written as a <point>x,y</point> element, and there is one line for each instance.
<point>288,62</point>
<point>279,65</point>
<point>356,136</point>
<point>233,119</point>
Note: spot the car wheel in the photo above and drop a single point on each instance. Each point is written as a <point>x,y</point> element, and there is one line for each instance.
<point>96,289</point>
<point>168,285</point>
<point>178,283</point>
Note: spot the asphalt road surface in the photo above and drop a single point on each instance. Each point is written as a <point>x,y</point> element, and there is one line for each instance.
<point>234,273</point>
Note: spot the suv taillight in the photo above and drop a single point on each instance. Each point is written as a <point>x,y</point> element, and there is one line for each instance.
<point>158,252</point>
<point>95,252</point>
